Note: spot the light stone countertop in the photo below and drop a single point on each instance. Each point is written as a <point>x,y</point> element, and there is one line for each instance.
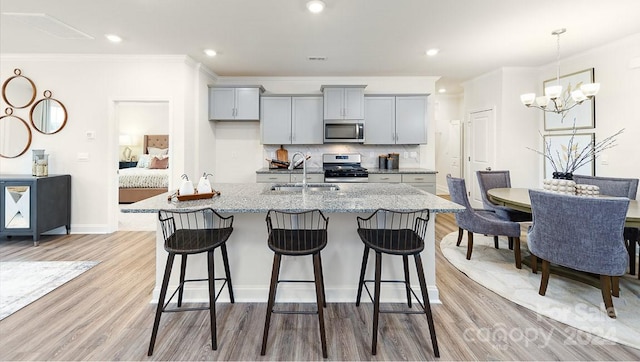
<point>310,170</point>
<point>400,170</point>
<point>351,197</point>
<point>319,170</point>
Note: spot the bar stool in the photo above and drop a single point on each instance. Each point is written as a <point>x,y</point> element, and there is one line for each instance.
<point>193,232</point>
<point>296,234</point>
<point>395,233</point>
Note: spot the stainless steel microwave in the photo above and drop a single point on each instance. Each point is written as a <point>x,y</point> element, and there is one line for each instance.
<point>336,131</point>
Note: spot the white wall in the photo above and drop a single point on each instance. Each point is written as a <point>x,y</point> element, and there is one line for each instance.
<point>448,108</point>
<point>89,86</point>
<point>239,153</point>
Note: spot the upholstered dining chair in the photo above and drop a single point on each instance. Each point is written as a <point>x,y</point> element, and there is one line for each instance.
<point>581,233</point>
<point>481,221</point>
<point>619,187</point>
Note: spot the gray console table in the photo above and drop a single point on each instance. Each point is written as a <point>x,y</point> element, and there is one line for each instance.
<point>32,205</point>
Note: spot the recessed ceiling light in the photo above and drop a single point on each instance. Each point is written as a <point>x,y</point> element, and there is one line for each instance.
<point>432,52</point>
<point>315,6</point>
<point>113,38</point>
<point>442,90</point>
<point>210,52</point>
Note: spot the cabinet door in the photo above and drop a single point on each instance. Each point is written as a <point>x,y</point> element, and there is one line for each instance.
<point>247,104</point>
<point>379,120</point>
<point>17,203</point>
<point>221,103</point>
<point>353,103</point>
<point>275,121</point>
<point>306,124</point>
<point>333,103</point>
<point>411,120</point>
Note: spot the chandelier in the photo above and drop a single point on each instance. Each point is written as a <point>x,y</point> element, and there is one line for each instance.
<point>553,99</point>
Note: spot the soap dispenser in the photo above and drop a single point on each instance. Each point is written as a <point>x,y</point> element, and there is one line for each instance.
<point>204,186</point>
<point>186,188</point>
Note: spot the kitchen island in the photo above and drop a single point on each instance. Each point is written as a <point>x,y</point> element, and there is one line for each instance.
<point>250,258</point>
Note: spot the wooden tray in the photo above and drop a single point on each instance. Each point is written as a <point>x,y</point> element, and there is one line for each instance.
<point>195,196</point>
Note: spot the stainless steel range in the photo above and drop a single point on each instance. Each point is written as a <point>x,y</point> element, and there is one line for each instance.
<point>344,167</point>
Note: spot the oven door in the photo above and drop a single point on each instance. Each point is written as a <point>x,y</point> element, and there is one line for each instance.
<point>343,132</point>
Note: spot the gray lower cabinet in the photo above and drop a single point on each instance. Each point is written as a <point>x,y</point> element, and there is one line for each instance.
<point>291,120</point>
<point>423,181</point>
<point>32,205</point>
<point>288,177</point>
<point>396,120</point>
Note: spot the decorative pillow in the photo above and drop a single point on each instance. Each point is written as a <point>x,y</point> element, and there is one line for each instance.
<point>144,161</point>
<point>154,151</point>
<point>159,163</point>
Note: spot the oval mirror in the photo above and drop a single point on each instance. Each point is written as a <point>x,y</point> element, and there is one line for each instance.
<point>18,91</point>
<point>15,135</point>
<point>48,115</point>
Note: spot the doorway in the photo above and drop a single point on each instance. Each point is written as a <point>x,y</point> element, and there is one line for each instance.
<point>479,150</point>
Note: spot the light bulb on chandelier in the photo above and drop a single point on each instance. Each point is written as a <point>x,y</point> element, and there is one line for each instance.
<point>552,100</point>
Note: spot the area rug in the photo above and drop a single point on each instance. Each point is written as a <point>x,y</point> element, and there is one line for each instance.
<point>22,282</point>
<point>571,302</point>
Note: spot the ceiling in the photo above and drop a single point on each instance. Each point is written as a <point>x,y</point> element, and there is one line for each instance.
<point>358,37</point>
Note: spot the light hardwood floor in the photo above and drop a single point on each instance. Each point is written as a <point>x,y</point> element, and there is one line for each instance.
<point>105,314</point>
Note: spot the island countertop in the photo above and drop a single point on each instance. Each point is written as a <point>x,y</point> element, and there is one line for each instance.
<point>350,198</point>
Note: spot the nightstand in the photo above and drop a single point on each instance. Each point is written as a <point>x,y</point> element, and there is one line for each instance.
<point>128,164</point>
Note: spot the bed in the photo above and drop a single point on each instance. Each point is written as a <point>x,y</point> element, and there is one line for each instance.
<point>150,177</point>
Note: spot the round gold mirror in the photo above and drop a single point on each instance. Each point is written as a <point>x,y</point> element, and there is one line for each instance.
<point>48,115</point>
<point>18,91</point>
<point>15,135</point>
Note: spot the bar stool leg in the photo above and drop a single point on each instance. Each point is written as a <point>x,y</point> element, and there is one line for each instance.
<point>376,302</point>
<point>183,270</point>
<point>212,300</point>
<point>227,271</point>
<point>405,261</point>
<point>324,295</point>
<point>317,269</point>
<point>363,269</point>
<point>272,296</point>
<point>163,294</point>
<point>427,305</point>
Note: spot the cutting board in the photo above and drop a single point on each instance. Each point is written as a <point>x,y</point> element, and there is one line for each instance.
<point>282,154</point>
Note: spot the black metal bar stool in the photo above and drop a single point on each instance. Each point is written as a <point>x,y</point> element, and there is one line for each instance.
<point>297,234</point>
<point>395,233</point>
<point>193,232</point>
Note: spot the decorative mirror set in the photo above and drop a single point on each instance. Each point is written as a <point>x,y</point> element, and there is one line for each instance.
<point>47,115</point>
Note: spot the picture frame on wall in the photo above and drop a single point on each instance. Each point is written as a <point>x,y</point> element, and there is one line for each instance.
<point>583,114</point>
<point>558,148</point>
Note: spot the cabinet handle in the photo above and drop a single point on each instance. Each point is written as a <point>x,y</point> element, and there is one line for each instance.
<point>419,178</point>
<point>384,178</point>
<point>273,178</point>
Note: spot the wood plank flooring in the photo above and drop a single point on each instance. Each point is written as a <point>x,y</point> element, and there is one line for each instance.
<point>105,314</point>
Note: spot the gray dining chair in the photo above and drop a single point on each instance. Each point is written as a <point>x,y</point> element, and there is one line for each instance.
<point>580,233</point>
<point>481,221</point>
<point>618,187</point>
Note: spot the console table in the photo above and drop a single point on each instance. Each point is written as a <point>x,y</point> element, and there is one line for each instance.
<point>31,205</point>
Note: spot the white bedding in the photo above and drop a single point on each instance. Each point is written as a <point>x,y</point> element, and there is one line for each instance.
<point>143,178</point>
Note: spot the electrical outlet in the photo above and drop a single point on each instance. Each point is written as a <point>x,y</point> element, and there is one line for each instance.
<point>91,135</point>
<point>405,155</point>
<point>414,154</point>
<point>83,156</point>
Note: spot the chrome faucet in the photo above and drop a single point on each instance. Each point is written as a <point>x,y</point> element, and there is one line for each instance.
<point>293,164</point>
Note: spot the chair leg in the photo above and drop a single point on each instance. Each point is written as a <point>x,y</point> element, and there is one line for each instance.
<point>460,231</point>
<point>405,261</point>
<point>427,304</point>
<point>534,263</point>
<point>605,287</point>
<point>212,300</point>
<point>227,270</point>
<point>495,242</point>
<point>544,281</point>
<point>615,286</point>
<point>469,244</point>
<point>272,297</point>
<point>324,295</point>
<point>317,270</point>
<point>183,269</point>
<point>376,303</point>
<point>363,269</point>
<point>160,307</point>
<point>516,251</point>
<point>631,248</point>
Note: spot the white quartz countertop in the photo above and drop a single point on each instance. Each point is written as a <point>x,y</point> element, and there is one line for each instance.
<point>351,197</point>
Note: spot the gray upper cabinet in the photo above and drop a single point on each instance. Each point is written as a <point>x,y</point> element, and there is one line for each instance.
<point>291,120</point>
<point>234,103</point>
<point>396,119</point>
<point>343,102</point>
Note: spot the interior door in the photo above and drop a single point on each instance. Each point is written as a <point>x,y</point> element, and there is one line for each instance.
<point>481,154</point>
<point>454,149</point>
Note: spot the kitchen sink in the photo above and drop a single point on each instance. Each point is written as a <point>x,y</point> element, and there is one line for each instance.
<point>299,187</point>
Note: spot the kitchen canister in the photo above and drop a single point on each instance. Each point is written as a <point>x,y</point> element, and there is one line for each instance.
<point>393,161</point>
<point>382,161</point>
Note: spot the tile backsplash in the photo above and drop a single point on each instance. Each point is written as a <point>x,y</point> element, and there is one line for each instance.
<point>409,154</point>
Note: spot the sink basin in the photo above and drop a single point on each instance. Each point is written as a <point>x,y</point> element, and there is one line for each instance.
<point>310,187</point>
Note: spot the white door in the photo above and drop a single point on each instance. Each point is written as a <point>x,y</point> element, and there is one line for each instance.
<point>454,149</point>
<point>481,155</point>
